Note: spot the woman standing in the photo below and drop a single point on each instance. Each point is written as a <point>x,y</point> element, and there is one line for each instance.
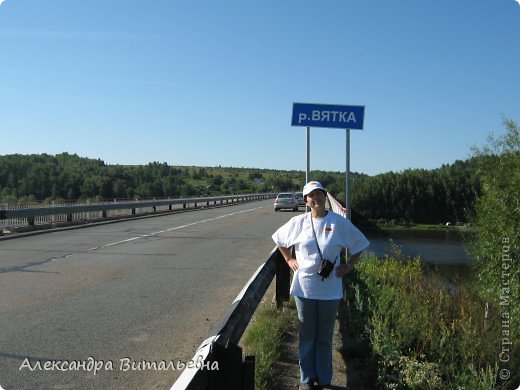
<point>317,236</point>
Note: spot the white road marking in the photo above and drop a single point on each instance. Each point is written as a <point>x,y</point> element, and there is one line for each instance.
<point>156,233</point>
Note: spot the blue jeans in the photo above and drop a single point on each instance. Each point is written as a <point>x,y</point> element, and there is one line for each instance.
<point>316,318</point>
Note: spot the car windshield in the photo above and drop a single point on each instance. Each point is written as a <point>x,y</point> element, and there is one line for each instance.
<point>285,195</point>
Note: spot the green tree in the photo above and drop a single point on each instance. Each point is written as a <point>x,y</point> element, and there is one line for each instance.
<point>496,247</point>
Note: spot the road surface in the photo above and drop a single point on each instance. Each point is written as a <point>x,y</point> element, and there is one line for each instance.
<point>96,308</point>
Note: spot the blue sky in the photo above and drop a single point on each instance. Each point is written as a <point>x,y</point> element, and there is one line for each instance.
<point>212,83</point>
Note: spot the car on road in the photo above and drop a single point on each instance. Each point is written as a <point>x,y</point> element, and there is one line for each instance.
<point>299,198</point>
<point>285,200</point>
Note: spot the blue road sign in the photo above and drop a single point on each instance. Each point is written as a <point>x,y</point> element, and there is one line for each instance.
<point>328,115</point>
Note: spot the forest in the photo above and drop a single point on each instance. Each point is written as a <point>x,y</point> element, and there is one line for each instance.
<point>431,196</point>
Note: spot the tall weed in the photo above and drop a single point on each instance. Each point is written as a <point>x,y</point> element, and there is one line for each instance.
<point>424,332</point>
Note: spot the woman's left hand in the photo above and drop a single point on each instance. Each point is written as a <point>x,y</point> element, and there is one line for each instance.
<point>343,269</point>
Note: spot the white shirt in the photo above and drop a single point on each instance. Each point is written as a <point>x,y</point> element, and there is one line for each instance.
<point>334,233</point>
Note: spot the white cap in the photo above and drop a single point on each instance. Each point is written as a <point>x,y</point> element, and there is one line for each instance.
<point>311,186</point>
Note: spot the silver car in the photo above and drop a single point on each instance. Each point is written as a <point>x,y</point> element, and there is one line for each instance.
<point>285,200</point>
<point>299,198</point>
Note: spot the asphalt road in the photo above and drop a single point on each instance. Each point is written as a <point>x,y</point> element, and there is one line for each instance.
<point>79,307</point>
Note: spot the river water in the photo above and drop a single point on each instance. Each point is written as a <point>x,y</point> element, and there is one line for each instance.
<point>442,247</point>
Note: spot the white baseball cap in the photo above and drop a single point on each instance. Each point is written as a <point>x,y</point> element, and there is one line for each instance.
<point>311,186</point>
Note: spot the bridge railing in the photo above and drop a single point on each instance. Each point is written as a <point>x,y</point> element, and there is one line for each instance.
<point>219,363</point>
<point>22,215</point>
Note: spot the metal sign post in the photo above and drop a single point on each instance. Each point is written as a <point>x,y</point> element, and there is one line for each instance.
<point>347,175</point>
<point>331,116</point>
<point>307,172</point>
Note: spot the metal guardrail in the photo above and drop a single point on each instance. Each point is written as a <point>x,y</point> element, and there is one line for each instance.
<point>336,207</point>
<point>218,362</point>
<point>26,215</point>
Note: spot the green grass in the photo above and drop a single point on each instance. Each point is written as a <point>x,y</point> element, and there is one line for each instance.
<point>422,332</point>
<point>264,340</point>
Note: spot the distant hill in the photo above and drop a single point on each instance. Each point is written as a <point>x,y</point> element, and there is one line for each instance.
<point>446,193</point>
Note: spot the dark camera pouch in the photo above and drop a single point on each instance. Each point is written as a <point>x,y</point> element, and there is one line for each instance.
<point>325,269</point>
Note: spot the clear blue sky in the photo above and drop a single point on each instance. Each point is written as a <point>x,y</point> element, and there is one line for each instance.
<point>212,82</point>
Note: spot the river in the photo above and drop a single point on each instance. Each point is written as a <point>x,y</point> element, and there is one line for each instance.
<point>442,247</point>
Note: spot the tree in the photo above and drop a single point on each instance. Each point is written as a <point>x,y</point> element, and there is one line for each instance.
<point>496,246</point>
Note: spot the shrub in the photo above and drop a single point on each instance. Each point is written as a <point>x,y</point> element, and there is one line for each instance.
<point>424,333</point>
